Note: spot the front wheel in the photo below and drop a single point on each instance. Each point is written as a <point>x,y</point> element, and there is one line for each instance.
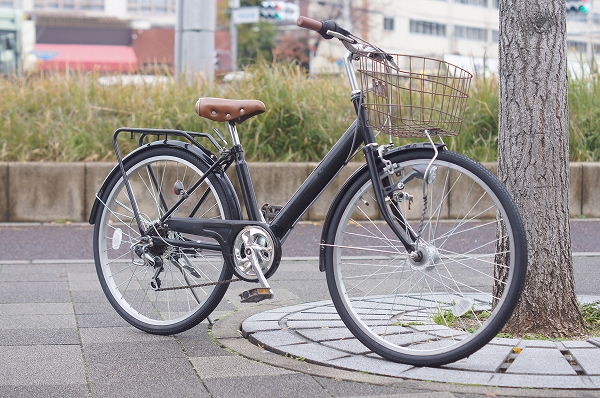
<point>456,297</point>
<point>161,288</point>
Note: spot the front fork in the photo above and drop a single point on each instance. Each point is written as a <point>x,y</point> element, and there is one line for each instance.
<point>409,238</point>
<point>371,155</point>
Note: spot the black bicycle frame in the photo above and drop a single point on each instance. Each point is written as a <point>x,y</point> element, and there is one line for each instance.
<point>223,231</point>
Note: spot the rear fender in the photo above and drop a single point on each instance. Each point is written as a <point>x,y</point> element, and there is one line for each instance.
<point>203,154</point>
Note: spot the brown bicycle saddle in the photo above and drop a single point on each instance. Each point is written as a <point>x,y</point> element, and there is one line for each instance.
<point>227,110</point>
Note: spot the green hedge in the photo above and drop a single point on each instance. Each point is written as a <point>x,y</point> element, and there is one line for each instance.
<point>72,117</point>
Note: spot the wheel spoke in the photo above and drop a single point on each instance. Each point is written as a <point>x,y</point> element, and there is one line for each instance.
<point>131,269</point>
<point>423,307</point>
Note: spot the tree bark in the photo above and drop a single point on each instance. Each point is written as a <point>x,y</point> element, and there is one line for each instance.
<point>533,160</point>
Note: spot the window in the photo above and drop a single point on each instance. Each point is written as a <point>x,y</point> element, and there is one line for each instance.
<point>151,6</point>
<point>482,3</point>
<point>576,46</point>
<point>427,28</point>
<point>469,33</point>
<point>495,36</point>
<point>388,23</point>
<point>495,4</point>
<point>96,5</point>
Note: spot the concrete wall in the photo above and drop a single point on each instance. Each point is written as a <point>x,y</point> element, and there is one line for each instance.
<point>46,192</point>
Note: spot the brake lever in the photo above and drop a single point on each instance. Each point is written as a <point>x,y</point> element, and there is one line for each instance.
<point>341,37</point>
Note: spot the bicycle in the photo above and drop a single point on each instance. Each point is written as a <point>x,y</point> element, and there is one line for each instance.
<point>417,275</point>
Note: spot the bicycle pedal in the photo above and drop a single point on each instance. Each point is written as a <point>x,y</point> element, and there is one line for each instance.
<point>255,295</point>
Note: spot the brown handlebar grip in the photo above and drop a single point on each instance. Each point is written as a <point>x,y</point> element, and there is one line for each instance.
<point>309,23</point>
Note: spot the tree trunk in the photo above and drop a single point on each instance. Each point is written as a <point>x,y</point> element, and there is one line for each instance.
<point>533,160</point>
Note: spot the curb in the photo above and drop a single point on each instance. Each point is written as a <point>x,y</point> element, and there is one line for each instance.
<point>226,332</point>
<point>49,191</point>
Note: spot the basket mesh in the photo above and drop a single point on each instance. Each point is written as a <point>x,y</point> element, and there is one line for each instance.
<point>406,95</point>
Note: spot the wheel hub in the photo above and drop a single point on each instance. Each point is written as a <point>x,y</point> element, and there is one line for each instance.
<point>427,258</point>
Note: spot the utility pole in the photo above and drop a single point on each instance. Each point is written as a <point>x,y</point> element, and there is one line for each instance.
<point>233,31</point>
<point>346,17</point>
<point>195,39</point>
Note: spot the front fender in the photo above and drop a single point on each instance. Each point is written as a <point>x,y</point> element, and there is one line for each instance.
<point>204,154</point>
<point>324,251</point>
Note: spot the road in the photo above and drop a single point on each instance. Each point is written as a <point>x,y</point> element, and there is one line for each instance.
<point>30,242</point>
<point>40,242</point>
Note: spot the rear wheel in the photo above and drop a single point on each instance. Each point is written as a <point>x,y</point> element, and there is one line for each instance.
<point>140,280</point>
<point>455,298</point>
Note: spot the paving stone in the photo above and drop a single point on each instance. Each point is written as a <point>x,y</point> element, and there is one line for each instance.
<point>330,309</point>
<point>38,321</point>
<point>136,350</point>
<point>24,337</point>
<point>538,344</point>
<point>589,359</point>
<point>503,341</point>
<point>150,370</point>
<point>166,388</point>
<point>103,307</point>
<point>352,346</point>
<point>28,268</point>
<point>196,344</point>
<point>117,334</point>
<point>78,285</point>
<point>34,292</point>
<point>325,334</point>
<point>314,324</point>
<point>311,316</point>
<point>77,273</point>
<point>88,296</point>
<point>55,274</point>
<point>266,316</point>
<point>369,364</point>
<point>288,386</point>
<point>345,388</point>
<point>303,307</point>
<point>578,344</point>
<point>101,320</point>
<point>595,341</point>
<point>539,381</point>
<point>46,391</point>
<point>541,361</point>
<point>448,376</point>
<point>277,338</point>
<point>256,326</point>
<point>233,366</point>
<point>42,365</point>
<point>36,308</point>
<point>487,359</point>
<point>85,267</point>
<point>313,351</point>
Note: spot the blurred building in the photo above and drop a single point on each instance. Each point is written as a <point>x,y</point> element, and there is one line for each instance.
<point>107,35</point>
<point>464,32</point>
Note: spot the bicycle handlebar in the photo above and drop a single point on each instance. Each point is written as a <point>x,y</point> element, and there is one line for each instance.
<point>321,27</point>
<point>309,23</point>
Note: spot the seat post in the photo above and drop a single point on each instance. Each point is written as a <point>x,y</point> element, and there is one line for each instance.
<point>233,133</point>
<point>243,173</point>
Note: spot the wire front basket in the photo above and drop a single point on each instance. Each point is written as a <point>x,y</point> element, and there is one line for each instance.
<point>405,95</point>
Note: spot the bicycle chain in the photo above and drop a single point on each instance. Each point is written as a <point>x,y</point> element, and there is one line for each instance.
<point>198,285</point>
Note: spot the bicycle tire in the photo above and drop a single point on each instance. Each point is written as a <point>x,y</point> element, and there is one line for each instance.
<point>448,305</point>
<point>126,276</point>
